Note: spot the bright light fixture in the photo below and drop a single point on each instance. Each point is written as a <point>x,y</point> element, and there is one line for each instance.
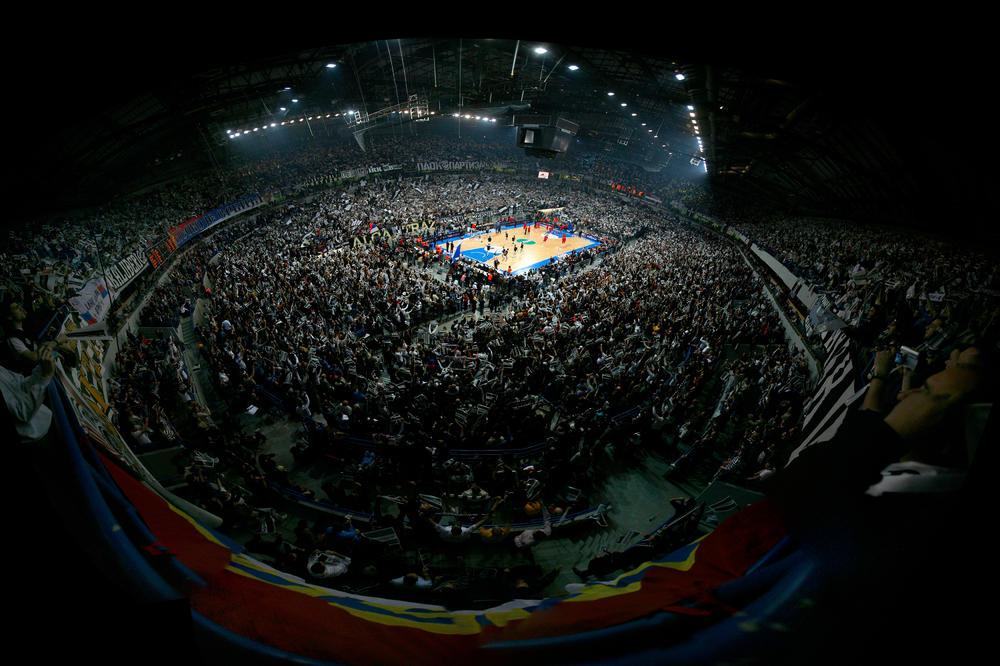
<point>624,104</point>
<point>679,76</point>
<point>295,100</point>
<point>611,94</point>
<point>331,65</point>
<point>573,68</point>
<point>691,108</point>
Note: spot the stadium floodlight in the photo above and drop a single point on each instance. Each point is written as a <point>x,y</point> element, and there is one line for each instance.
<point>624,104</point>
<point>611,94</point>
<point>283,108</point>
<point>540,50</point>
<point>679,76</point>
<point>295,101</point>
<point>634,115</point>
<point>691,114</point>
<point>573,68</point>
<point>331,65</point>
<point>691,107</point>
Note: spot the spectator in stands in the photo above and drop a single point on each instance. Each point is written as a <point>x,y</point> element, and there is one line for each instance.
<point>324,564</point>
<point>22,351</point>
<point>457,533</point>
<point>527,539</point>
<point>879,504</point>
<point>24,397</point>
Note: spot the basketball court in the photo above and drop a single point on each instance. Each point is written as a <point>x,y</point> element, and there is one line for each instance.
<point>526,249</point>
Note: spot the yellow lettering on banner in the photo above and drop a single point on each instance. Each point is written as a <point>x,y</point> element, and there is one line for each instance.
<point>101,406</point>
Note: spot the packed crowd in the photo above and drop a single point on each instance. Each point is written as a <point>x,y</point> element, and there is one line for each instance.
<point>887,287</point>
<point>58,255</point>
<point>416,378</point>
<point>578,366</point>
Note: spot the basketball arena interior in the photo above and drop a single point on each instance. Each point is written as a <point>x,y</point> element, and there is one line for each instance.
<point>439,350</point>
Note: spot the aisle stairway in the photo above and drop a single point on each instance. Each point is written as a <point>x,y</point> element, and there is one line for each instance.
<point>198,367</point>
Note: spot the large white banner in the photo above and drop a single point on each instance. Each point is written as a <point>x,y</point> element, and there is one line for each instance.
<point>92,301</point>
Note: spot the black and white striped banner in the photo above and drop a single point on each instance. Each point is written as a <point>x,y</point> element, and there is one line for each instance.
<point>837,392</point>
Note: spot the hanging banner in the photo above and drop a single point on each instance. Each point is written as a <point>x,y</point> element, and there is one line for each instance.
<point>457,166</point>
<point>92,301</point>
<point>121,274</point>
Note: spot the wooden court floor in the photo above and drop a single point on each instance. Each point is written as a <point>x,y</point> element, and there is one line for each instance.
<point>534,248</point>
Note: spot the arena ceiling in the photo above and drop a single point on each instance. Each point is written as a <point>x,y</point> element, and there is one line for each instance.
<point>851,133</point>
